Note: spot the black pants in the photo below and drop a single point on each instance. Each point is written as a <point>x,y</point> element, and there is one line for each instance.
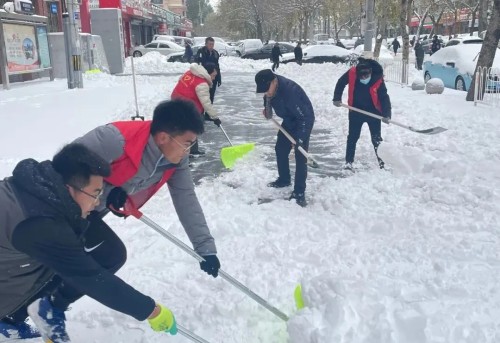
<point>356,122</point>
<point>283,148</point>
<point>420,60</point>
<point>212,91</point>
<point>276,65</point>
<point>110,254</point>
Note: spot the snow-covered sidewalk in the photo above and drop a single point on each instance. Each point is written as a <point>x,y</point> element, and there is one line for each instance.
<point>410,255</point>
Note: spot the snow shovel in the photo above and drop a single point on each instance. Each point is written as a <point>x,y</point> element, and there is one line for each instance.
<point>137,116</point>
<point>431,131</point>
<point>130,209</point>
<point>188,334</point>
<point>310,160</point>
<point>229,155</point>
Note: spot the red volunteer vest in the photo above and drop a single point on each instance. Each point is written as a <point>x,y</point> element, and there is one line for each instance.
<point>373,90</point>
<point>136,135</point>
<point>186,89</point>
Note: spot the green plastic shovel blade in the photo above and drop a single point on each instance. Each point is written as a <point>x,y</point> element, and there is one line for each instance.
<point>230,154</point>
<point>299,301</point>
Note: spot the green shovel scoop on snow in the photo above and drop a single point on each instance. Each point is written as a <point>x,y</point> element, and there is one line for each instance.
<point>229,155</point>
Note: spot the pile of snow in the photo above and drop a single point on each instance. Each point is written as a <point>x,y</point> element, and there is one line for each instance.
<point>385,58</point>
<point>418,84</point>
<point>434,86</point>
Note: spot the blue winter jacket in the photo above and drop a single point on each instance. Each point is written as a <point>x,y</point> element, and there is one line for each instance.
<point>291,103</point>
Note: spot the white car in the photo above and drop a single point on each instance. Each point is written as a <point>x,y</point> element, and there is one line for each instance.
<point>385,58</point>
<point>464,40</point>
<point>323,53</point>
<point>222,48</point>
<point>163,47</point>
<point>248,44</point>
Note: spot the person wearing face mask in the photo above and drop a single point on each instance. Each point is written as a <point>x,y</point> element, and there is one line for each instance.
<point>194,86</point>
<point>45,264</point>
<point>367,91</point>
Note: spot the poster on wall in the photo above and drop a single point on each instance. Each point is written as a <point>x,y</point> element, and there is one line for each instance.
<point>20,46</point>
<point>43,46</point>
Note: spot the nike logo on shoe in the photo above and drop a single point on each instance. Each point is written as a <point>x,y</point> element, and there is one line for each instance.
<point>92,248</point>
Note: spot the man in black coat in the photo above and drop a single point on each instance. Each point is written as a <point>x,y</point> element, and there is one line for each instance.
<point>419,54</point>
<point>45,262</point>
<point>208,54</point>
<point>291,103</point>
<point>275,56</point>
<point>436,44</point>
<point>297,51</point>
<point>367,91</point>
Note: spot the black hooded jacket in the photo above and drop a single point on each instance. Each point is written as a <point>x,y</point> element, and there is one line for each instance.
<point>42,234</point>
<point>362,97</point>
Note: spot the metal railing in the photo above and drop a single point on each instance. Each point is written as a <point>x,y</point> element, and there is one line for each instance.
<point>395,70</point>
<point>487,88</point>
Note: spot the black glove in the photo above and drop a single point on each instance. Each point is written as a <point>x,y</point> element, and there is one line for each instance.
<point>207,117</point>
<point>211,265</point>
<point>217,122</point>
<point>116,199</point>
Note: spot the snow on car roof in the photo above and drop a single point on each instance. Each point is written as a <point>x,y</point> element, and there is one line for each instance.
<point>464,56</point>
<point>327,49</point>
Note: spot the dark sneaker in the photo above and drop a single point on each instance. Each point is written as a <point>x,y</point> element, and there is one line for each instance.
<point>49,320</point>
<point>300,199</point>
<point>15,331</point>
<point>279,183</point>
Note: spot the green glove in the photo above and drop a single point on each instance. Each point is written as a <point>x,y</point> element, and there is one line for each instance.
<point>164,321</point>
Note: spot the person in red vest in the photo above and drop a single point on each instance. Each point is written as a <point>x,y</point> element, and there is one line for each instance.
<point>367,91</point>
<point>195,86</point>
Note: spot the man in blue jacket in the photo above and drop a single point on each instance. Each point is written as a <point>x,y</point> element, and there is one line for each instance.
<point>291,103</point>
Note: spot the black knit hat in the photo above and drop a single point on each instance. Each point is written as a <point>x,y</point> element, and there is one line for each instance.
<point>363,68</point>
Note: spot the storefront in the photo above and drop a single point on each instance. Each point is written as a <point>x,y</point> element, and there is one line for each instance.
<point>140,20</point>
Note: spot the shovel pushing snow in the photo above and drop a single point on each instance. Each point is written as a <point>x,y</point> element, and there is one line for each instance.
<point>431,131</point>
<point>131,210</point>
<point>229,155</point>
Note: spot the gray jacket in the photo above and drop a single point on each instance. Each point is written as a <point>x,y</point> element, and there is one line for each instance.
<point>108,142</point>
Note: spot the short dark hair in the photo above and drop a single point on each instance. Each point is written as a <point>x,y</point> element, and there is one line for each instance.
<point>175,117</point>
<point>210,67</point>
<point>76,164</point>
<point>209,39</point>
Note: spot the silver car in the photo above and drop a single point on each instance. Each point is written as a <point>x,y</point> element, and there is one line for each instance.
<point>163,47</point>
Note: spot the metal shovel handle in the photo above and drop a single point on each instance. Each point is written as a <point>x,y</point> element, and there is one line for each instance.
<point>189,334</point>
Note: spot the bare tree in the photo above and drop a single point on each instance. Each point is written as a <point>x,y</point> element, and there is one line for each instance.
<point>404,18</point>
<point>382,31</point>
<point>488,50</point>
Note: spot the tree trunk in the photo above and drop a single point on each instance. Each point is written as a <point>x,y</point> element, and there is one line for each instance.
<point>489,48</point>
<point>473,20</point>
<point>482,16</point>
<point>435,23</point>
<point>260,33</point>
<point>403,21</point>
<point>383,29</point>
<point>422,21</point>
<point>306,25</point>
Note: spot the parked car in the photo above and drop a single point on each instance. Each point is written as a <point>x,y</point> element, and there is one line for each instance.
<point>464,40</point>
<point>220,45</point>
<point>455,66</point>
<point>265,51</point>
<point>179,56</point>
<point>248,44</point>
<point>385,58</point>
<point>323,53</point>
<point>163,47</point>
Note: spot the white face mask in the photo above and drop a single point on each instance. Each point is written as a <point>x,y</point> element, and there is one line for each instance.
<point>365,81</point>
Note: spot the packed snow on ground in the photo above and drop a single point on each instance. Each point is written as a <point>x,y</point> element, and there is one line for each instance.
<point>406,255</point>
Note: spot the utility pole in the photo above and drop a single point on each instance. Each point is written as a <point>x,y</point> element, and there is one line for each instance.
<point>370,28</point>
<point>72,44</point>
